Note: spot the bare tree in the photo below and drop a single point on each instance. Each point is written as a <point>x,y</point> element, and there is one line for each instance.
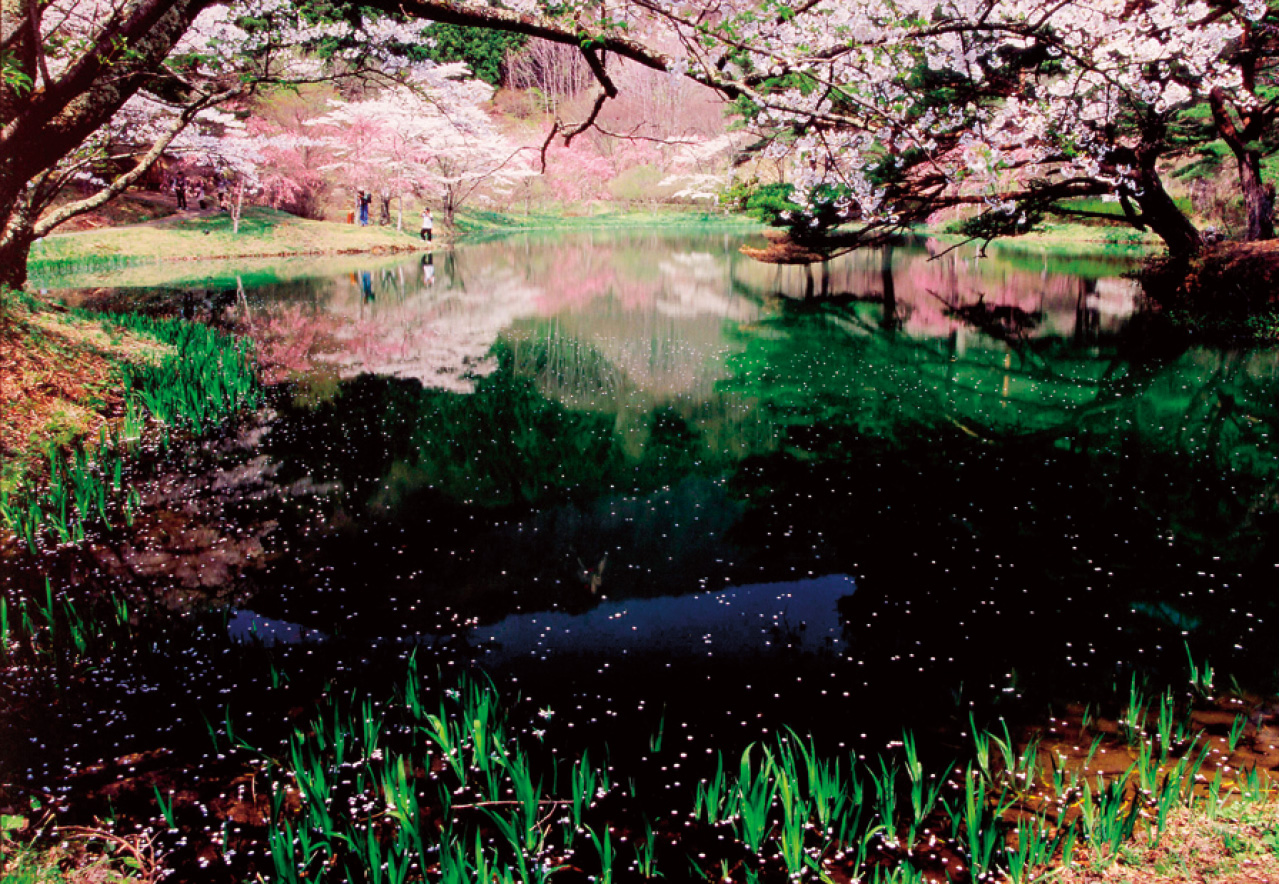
<point>555,72</point>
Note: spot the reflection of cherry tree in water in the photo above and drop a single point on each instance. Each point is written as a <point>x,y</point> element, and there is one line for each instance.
<point>934,292</point>
<point>1030,476</point>
<point>1011,388</point>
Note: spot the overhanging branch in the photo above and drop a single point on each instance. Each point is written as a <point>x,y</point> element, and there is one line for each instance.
<point>48,222</point>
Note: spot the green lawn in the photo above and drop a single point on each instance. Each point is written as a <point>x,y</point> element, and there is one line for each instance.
<point>263,233</point>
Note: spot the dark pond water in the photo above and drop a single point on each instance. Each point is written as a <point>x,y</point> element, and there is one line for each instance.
<point>650,484</point>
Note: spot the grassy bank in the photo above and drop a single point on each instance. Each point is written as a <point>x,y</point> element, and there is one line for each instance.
<point>274,246</point>
<point>208,236</point>
<point>81,394</point>
<point>200,248</point>
<point>212,273</point>
<point>60,380</point>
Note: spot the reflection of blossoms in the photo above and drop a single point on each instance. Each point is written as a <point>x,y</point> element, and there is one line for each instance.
<point>431,334</point>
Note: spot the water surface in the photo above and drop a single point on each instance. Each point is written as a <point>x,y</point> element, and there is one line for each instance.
<point>636,472</point>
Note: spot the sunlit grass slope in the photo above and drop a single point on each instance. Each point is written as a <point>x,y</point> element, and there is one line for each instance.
<point>262,233</point>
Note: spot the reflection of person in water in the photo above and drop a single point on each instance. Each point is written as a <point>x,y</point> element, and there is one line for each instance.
<point>428,270</point>
<point>366,284</point>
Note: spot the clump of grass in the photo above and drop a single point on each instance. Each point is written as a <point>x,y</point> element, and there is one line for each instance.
<point>204,377</point>
<point>457,795</point>
<point>54,634</point>
<point>208,376</point>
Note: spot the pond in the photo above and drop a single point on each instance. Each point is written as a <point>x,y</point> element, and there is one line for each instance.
<point>649,483</point>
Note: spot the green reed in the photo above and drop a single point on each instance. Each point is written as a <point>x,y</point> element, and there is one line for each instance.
<point>83,488</point>
<point>165,805</point>
<point>1237,730</point>
<point>981,820</point>
<point>1033,848</point>
<point>712,794</point>
<point>1133,721</point>
<point>646,863</point>
<point>582,788</point>
<point>923,796</point>
<point>796,810</point>
<point>886,787</point>
<point>753,797</point>
<point>1201,676</point>
<point>1014,813</point>
<point>528,796</point>
<point>57,634</point>
<point>204,377</point>
<point>1107,817</point>
<point>605,851</point>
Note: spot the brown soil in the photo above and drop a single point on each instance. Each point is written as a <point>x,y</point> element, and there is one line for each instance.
<point>135,207</point>
<point>1193,850</point>
<point>58,381</point>
<point>784,250</point>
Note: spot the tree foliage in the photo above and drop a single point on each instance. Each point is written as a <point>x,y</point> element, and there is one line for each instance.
<point>484,51</point>
<point>879,113</point>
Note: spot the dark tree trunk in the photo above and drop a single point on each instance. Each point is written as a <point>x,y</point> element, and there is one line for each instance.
<point>16,237</point>
<point>1257,202</point>
<point>1162,215</point>
<point>889,314</point>
<point>1241,132</point>
<point>42,124</point>
<point>13,263</point>
<point>1241,121</point>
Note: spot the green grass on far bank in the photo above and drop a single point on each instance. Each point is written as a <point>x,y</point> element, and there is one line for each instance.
<point>479,222</point>
<point>263,233</point>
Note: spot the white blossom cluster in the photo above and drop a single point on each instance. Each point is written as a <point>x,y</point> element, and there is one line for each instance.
<point>244,38</point>
<point>844,110</point>
<point>223,42</point>
<point>433,137</point>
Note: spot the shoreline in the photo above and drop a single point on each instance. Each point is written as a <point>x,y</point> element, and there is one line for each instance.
<point>197,825</point>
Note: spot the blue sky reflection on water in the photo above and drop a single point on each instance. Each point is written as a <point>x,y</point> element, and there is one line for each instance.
<point>742,620</point>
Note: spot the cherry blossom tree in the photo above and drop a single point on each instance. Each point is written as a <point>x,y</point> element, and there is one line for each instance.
<point>884,111</point>
<point>293,157</point>
<point>888,111</point>
<point>434,139</point>
<point>231,155</point>
<point>464,156</point>
<point>93,92</point>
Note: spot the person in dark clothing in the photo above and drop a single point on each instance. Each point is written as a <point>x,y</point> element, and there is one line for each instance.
<point>180,190</point>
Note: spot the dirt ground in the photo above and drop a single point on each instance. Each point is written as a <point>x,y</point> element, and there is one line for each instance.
<point>58,382</point>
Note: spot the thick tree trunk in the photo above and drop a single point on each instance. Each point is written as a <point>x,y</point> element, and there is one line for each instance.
<point>1166,220</point>
<point>16,236</point>
<point>1240,132</point>
<point>1257,202</point>
<point>13,262</point>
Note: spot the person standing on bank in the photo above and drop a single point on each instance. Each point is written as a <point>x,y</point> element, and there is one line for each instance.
<point>427,225</point>
<point>180,190</point>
